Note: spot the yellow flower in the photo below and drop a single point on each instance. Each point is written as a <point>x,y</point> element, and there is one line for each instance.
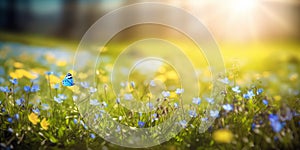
<point>61,63</point>
<point>45,124</point>
<point>33,118</point>
<point>19,73</point>
<point>223,136</point>
<point>18,65</point>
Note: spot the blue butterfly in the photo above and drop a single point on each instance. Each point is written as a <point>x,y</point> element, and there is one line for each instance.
<point>68,80</point>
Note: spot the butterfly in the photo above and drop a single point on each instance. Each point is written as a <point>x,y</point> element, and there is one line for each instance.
<point>68,80</point>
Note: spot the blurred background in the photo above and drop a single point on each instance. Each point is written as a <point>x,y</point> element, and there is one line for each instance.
<point>230,20</point>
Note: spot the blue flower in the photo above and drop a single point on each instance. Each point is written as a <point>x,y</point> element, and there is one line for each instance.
<point>152,83</point>
<point>248,95</point>
<point>45,107</point>
<point>94,102</point>
<point>62,96</point>
<point>20,102</point>
<point>259,91</point>
<point>193,113</point>
<point>14,81</point>
<point>236,89</point>
<point>17,116</point>
<point>27,89</point>
<point>10,130</point>
<point>84,84</point>
<point>36,111</point>
<point>253,126</point>
<point>104,104</point>
<point>210,100</point>
<point>183,123</point>
<point>225,80</point>
<point>204,119</point>
<point>132,84</point>
<point>92,135</point>
<point>179,91</point>
<point>275,123</point>
<point>10,120</point>
<point>228,107</point>
<point>118,129</point>
<point>196,100</point>
<point>149,105</point>
<point>265,102</point>
<point>93,90</point>
<point>175,105</point>
<point>128,96</point>
<point>4,89</point>
<point>49,73</point>
<point>75,121</point>
<point>58,100</point>
<point>214,113</point>
<point>141,124</point>
<point>118,100</point>
<point>165,93</point>
<point>35,88</point>
<point>56,86</point>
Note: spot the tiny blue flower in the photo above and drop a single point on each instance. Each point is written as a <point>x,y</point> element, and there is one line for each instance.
<point>36,111</point>
<point>248,95</point>
<point>141,124</point>
<point>118,129</point>
<point>20,101</point>
<point>45,107</point>
<point>253,126</point>
<point>175,105</point>
<point>259,91</point>
<point>35,88</point>
<point>196,100</point>
<point>17,116</point>
<point>92,135</point>
<point>62,96</point>
<point>275,123</point>
<point>84,84</point>
<point>204,119</point>
<point>14,81</point>
<point>192,113</point>
<point>10,120</point>
<point>236,89</point>
<point>10,130</point>
<point>94,102</point>
<point>93,90</point>
<point>214,113</point>
<point>128,96</point>
<point>152,83</point>
<point>27,89</point>
<point>132,84</point>
<point>183,123</point>
<point>265,102</point>
<point>149,105</point>
<point>4,89</point>
<point>56,86</point>
<point>118,100</point>
<point>225,80</point>
<point>75,121</point>
<point>179,91</point>
<point>104,104</point>
<point>210,100</point>
<point>58,100</point>
<point>228,107</point>
<point>165,93</point>
<point>49,73</point>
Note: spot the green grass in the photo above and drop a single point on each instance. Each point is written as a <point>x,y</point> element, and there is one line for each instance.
<point>273,67</point>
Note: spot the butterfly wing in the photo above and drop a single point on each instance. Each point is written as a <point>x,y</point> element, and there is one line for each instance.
<point>68,80</point>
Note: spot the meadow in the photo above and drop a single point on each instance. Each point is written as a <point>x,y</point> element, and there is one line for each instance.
<point>261,108</point>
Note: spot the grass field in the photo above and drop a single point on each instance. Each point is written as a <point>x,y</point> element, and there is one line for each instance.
<point>260,110</point>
